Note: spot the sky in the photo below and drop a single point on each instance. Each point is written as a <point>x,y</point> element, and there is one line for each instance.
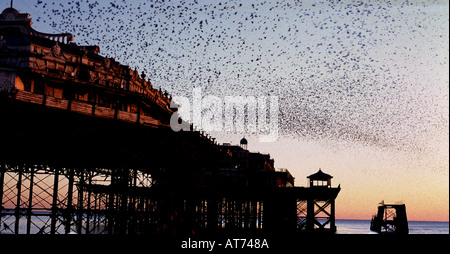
<point>363,86</point>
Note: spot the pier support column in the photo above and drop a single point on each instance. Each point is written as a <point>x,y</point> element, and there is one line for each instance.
<point>30,201</point>
<point>19,193</point>
<point>54,202</point>
<point>212,212</point>
<point>68,213</point>
<point>80,204</point>
<point>310,215</point>
<point>2,180</point>
<point>332,217</point>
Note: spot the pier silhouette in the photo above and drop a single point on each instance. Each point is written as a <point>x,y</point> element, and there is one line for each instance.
<point>87,148</point>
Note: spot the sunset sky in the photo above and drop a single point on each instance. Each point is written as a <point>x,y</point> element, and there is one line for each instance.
<point>362,85</point>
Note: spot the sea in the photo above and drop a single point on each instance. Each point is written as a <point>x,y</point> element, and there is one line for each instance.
<point>415,227</point>
<point>359,227</point>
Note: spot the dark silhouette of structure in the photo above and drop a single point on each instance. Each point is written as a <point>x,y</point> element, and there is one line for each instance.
<point>390,219</point>
<point>244,143</point>
<point>320,179</point>
<point>86,147</point>
<point>323,205</point>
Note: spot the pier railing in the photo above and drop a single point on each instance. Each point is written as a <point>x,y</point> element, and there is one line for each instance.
<point>61,38</point>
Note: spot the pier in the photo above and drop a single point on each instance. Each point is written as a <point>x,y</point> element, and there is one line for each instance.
<point>390,219</point>
<point>87,148</point>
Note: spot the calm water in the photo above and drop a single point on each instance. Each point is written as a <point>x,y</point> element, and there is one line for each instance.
<point>415,227</point>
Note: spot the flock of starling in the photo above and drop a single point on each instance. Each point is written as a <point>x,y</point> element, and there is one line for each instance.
<point>367,71</point>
